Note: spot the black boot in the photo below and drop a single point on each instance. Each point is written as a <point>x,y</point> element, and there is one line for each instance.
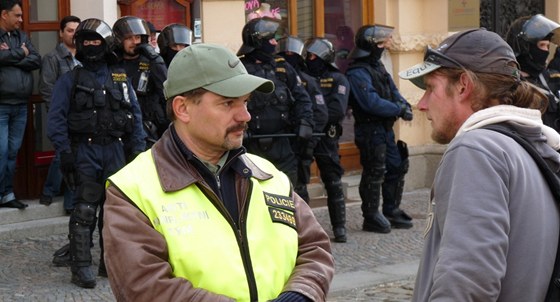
<point>377,223</point>
<point>337,209</point>
<point>399,219</point>
<point>61,257</point>
<point>83,276</point>
<point>80,252</point>
<point>392,196</point>
<point>337,213</point>
<point>102,271</point>
<point>370,193</point>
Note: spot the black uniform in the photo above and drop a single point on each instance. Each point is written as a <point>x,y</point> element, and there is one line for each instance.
<point>335,88</point>
<point>147,76</point>
<point>376,105</point>
<point>305,151</point>
<point>288,110</point>
<point>91,113</point>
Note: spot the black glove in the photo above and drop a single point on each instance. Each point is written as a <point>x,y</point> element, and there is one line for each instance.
<point>68,169</point>
<point>406,111</point>
<point>306,149</point>
<point>147,50</point>
<point>304,131</point>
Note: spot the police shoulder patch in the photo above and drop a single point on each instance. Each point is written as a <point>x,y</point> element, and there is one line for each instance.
<point>284,217</point>
<point>341,89</point>
<point>319,99</point>
<point>119,77</point>
<point>144,66</point>
<point>279,201</point>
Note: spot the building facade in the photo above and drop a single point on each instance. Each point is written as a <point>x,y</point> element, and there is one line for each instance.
<point>417,23</point>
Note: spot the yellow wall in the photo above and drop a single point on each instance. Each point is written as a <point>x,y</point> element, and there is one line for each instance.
<point>222,22</point>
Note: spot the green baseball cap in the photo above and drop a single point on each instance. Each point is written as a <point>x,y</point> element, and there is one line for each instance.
<point>214,68</point>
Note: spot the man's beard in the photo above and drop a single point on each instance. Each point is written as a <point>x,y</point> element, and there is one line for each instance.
<point>230,144</point>
<point>446,134</point>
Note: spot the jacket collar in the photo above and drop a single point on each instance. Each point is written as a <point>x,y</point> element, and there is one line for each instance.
<point>62,51</point>
<point>176,169</point>
<point>512,114</point>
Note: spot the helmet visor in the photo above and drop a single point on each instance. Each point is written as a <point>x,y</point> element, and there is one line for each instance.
<point>180,35</point>
<point>97,26</point>
<point>321,48</point>
<point>379,33</point>
<point>132,26</point>
<point>539,28</point>
<point>290,44</point>
<point>265,29</point>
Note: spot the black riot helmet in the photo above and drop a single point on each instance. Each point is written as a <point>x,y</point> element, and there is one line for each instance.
<point>256,31</point>
<point>290,43</point>
<point>291,49</point>
<point>128,26</point>
<point>323,49</point>
<point>92,29</point>
<point>368,37</point>
<point>526,31</point>
<point>174,34</point>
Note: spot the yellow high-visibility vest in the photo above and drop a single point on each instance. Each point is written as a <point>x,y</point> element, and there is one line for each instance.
<point>208,250</point>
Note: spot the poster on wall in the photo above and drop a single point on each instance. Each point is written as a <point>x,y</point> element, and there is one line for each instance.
<point>464,14</point>
<point>160,13</point>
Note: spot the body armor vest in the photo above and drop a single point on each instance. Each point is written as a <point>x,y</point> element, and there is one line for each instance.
<point>270,113</point>
<point>381,85</point>
<point>152,105</point>
<point>100,111</point>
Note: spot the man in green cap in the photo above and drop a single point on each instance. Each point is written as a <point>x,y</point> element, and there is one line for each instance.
<point>198,218</point>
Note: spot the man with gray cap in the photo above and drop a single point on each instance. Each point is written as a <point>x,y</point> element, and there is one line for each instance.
<point>198,218</point>
<point>493,227</point>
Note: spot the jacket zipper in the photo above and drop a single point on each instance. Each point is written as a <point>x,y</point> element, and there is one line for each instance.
<point>240,233</point>
<point>253,292</point>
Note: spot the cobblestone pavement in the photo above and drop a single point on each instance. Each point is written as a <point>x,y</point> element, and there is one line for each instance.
<point>26,272</point>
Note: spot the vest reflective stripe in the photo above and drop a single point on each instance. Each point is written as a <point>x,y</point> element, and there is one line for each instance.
<point>203,247</point>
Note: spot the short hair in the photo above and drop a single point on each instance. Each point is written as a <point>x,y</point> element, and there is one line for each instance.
<point>194,95</point>
<point>9,4</point>
<point>67,20</point>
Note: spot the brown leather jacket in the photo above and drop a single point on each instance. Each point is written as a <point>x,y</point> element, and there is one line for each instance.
<point>136,254</point>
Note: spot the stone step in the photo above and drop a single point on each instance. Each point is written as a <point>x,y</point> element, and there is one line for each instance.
<point>35,220</point>
<point>38,220</point>
<point>34,211</point>
<point>35,228</point>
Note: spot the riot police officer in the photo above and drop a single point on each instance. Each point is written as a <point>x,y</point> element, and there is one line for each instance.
<point>172,39</point>
<point>284,113</point>
<point>530,37</point>
<point>93,109</point>
<point>147,72</point>
<point>376,105</point>
<point>291,49</point>
<point>319,59</point>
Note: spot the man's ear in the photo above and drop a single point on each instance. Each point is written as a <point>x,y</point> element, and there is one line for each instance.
<point>465,85</point>
<point>181,108</point>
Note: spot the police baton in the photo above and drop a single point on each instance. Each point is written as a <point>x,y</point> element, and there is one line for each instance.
<point>277,135</point>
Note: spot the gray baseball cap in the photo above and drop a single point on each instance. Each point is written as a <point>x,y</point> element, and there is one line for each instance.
<point>477,50</point>
<point>214,68</point>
